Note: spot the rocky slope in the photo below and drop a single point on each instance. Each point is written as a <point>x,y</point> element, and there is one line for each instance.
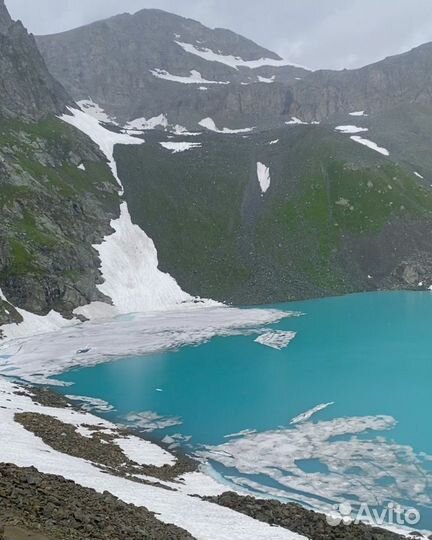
<point>52,211</point>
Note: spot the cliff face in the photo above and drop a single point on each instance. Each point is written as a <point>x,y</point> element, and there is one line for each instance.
<point>51,211</point>
<point>398,80</point>
<point>26,87</point>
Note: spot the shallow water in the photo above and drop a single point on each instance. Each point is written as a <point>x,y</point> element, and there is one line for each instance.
<point>368,356</point>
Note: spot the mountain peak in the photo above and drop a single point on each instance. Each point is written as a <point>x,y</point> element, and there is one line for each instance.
<point>5,18</point>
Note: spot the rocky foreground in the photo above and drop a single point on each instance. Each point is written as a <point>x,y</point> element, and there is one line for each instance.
<point>36,505</point>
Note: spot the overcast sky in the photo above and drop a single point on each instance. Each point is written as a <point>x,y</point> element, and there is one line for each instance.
<point>315,33</point>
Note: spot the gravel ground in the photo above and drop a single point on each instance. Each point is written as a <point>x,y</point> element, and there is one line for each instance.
<point>58,509</point>
<point>300,520</point>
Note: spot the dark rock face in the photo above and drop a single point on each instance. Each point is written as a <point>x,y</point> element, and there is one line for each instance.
<point>26,87</point>
<point>401,79</point>
<point>112,61</point>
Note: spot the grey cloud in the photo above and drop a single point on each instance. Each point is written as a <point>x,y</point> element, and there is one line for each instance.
<point>316,33</point>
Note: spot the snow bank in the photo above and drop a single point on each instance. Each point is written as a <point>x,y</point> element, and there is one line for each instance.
<point>350,129</point>
<point>104,138</point>
<point>204,520</point>
<point>371,145</point>
<point>142,124</point>
<point>209,124</point>
<point>32,324</point>
<point>195,77</point>
<point>297,122</point>
<point>232,61</point>
<point>176,147</point>
<point>264,179</point>
<point>96,111</point>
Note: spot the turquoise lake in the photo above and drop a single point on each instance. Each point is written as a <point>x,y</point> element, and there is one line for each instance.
<point>366,359</point>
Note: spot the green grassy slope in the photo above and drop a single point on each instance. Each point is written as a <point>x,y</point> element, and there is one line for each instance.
<point>337,218</point>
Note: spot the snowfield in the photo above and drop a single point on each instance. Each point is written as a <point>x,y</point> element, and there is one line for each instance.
<point>209,123</point>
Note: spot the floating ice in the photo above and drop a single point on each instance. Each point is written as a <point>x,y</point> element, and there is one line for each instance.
<point>276,339</point>
<point>303,417</point>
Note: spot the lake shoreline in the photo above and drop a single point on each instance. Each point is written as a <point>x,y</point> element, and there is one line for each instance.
<point>62,508</point>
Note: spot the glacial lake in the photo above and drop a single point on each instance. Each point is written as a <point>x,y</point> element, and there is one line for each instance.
<point>360,367</point>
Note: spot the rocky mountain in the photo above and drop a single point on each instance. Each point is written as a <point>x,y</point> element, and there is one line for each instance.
<point>26,87</point>
<point>52,211</point>
<point>154,62</point>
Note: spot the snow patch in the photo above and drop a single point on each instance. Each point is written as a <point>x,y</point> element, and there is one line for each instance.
<point>267,80</point>
<point>142,124</point>
<point>176,147</point>
<point>358,113</point>
<point>350,129</point>
<point>94,110</point>
<point>209,124</point>
<point>144,452</point>
<point>264,179</point>
<point>81,166</point>
<point>371,145</point>
<point>274,142</point>
<point>232,61</point>
<point>418,175</point>
<point>195,77</point>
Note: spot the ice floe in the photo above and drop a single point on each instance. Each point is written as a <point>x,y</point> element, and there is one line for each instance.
<point>350,129</point>
<point>38,357</point>
<point>209,124</point>
<point>194,77</point>
<point>232,61</point>
<point>276,339</point>
<point>204,520</point>
<point>264,178</point>
<point>303,417</point>
<point>371,145</point>
<point>176,147</point>
<point>355,462</point>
